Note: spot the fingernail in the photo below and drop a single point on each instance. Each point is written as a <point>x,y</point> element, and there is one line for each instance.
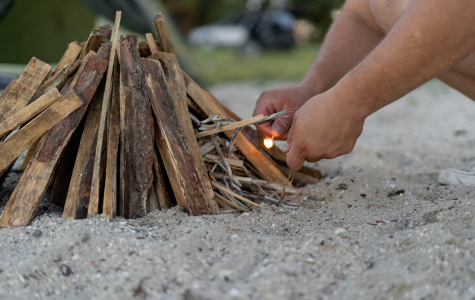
<point>278,129</point>
<point>285,148</point>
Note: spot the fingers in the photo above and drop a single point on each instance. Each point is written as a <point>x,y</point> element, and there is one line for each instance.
<point>295,158</point>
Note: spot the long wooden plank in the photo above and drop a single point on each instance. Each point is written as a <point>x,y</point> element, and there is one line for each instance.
<point>164,39</point>
<point>93,207</point>
<point>28,112</point>
<point>69,57</point>
<point>77,201</point>
<point>32,185</point>
<point>208,104</point>
<point>20,93</point>
<point>113,137</point>
<point>168,98</point>
<point>137,134</point>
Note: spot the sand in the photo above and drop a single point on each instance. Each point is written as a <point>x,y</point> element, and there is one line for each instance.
<point>350,237</point>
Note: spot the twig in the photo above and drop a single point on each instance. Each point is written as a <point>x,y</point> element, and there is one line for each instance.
<point>232,140</point>
<point>229,192</point>
<point>226,164</point>
<point>231,126</point>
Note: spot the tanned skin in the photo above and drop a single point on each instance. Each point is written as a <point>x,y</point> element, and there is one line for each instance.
<point>375,52</point>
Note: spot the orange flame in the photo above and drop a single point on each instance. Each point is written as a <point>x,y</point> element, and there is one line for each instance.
<point>269,142</point>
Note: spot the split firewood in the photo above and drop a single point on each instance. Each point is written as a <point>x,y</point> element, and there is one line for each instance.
<point>113,137</point>
<point>177,142</point>
<point>13,147</point>
<point>19,94</point>
<point>93,208</point>
<point>165,41</point>
<point>28,112</point>
<point>136,175</point>
<point>77,201</point>
<point>95,39</point>
<point>64,170</point>
<point>69,57</point>
<point>28,193</point>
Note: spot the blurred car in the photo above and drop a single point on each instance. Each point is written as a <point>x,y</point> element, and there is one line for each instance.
<point>251,31</point>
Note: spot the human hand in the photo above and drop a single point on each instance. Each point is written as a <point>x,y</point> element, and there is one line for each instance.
<point>272,101</point>
<point>324,127</point>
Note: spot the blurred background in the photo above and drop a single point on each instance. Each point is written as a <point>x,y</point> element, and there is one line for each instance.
<point>216,40</point>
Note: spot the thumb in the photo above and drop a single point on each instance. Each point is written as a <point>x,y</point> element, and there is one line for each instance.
<point>295,159</point>
<point>281,126</point>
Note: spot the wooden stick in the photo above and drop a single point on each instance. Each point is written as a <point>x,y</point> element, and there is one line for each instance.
<point>137,134</point>
<point>177,143</point>
<point>69,57</point>
<point>165,41</point>
<point>93,207</point>
<point>113,137</point>
<point>231,193</point>
<point>93,42</point>
<point>231,126</point>
<point>25,137</point>
<point>20,93</point>
<point>28,112</point>
<point>151,43</point>
<point>230,203</point>
<point>233,162</point>
<point>208,104</point>
<point>28,193</point>
<point>77,201</point>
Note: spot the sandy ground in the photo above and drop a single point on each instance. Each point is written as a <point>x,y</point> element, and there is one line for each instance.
<point>348,240</point>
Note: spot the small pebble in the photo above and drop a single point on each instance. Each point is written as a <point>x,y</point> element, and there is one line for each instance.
<point>37,233</point>
<point>340,231</point>
<point>65,269</point>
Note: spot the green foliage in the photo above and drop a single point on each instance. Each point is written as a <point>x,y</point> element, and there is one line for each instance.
<point>222,65</point>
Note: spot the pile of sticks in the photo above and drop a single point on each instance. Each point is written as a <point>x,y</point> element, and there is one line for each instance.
<point>119,128</point>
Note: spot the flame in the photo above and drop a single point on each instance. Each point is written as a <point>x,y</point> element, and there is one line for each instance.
<point>269,142</point>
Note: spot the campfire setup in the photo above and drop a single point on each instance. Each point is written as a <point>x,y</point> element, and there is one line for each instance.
<point>119,128</point>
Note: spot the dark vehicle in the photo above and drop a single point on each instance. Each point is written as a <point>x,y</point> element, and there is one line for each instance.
<point>250,31</point>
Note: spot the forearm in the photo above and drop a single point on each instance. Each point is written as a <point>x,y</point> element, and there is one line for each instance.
<point>349,40</point>
<point>427,40</point>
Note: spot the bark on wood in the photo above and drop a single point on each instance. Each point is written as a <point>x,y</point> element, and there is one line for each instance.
<point>93,43</point>
<point>164,39</point>
<point>167,94</point>
<point>209,105</point>
<point>70,56</point>
<point>106,29</point>
<point>77,201</point>
<point>113,136</point>
<point>99,160</point>
<point>144,49</point>
<point>28,112</point>
<point>137,159</point>
<point>64,170</point>
<point>32,185</point>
